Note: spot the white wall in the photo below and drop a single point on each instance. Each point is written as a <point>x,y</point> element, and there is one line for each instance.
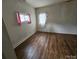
<point>7,49</point>
<point>9,16</point>
<point>61,18</point>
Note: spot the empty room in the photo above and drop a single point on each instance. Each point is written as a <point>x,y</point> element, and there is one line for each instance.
<point>39,29</point>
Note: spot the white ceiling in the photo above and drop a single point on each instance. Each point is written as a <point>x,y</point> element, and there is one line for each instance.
<point>41,3</point>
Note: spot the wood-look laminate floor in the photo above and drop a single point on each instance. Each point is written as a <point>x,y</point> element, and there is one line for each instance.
<point>48,46</point>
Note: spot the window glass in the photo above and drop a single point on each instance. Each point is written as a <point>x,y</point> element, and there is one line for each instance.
<point>42,19</point>
<point>24,17</point>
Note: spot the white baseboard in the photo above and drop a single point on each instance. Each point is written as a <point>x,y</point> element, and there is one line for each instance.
<point>59,32</point>
<point>22,41</point>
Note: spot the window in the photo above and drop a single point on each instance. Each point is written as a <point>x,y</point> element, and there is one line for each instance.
<point>42,19</point>
<point>24,18</point>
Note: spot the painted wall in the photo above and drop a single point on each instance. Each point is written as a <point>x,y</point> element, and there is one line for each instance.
<point>7,48</point>
<point>9,16</point>
<point>61,18</point>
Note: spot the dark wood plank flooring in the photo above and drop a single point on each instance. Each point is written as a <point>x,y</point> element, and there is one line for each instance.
<point>48,46</point>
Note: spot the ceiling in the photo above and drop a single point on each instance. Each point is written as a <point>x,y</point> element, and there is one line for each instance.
<point>41,3</point>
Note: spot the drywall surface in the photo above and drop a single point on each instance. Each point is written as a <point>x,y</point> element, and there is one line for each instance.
<point>61,18</point>
<point>9,16</point>
<point>7,48</point>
